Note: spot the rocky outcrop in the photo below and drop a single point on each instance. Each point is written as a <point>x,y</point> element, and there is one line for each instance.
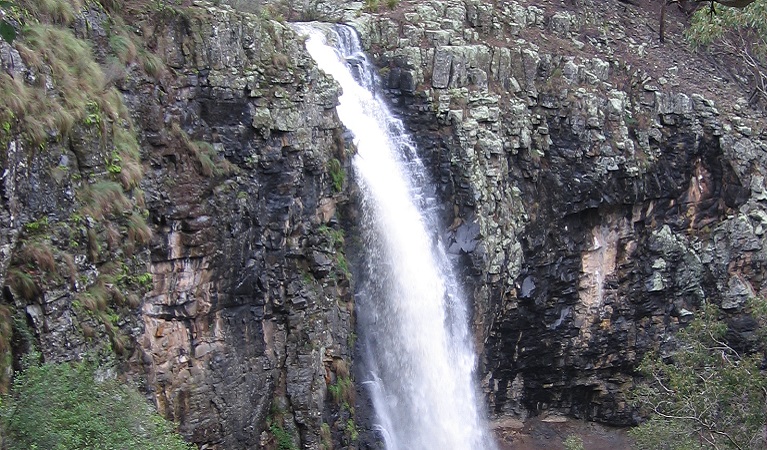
<point>247,298</point>
<point>593,206</point>
<point>246,317</point>
<point>189,223</point>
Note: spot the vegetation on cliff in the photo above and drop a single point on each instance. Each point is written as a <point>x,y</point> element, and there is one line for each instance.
<point>64,113</point>
<point>74,406</point>
<point>90,111</point>
<point>69,143</point>
<point>740,32</point>
<point>705,393</point>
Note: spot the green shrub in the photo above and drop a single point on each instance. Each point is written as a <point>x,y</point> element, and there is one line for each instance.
<point>351,430</point>
<point>283,439</point>
<point>704,392</point>
<point>326,437</point>
<point>66,406</point>
<point>337,174</point>
<point>573,442</point>
<point>37,225</point>
<point>336,237</point>
<point>7,32</point>
<point>343,390</point>
<point>372,5</point>
<point>342,265</point>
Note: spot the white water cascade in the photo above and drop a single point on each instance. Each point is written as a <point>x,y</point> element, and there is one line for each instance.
<point>412,319</point>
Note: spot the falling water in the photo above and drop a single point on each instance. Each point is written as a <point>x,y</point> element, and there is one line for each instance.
<point>412,319</point>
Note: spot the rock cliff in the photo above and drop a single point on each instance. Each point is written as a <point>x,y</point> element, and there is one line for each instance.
<point>218,269</point>
<point>597,187</point>
<point>181,209</point>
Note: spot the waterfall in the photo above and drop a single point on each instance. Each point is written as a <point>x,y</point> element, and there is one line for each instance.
<point>412,318</point>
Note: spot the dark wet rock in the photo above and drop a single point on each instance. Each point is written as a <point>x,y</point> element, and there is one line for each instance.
<point>590,209</point>
<point>607,211</point>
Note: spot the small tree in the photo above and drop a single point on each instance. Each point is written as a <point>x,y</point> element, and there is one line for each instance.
<point>705,394</point>
<point>740,32</point>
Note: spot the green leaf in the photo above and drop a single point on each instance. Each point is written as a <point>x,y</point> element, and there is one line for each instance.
<point>6,4</point>
<point>7,32</point>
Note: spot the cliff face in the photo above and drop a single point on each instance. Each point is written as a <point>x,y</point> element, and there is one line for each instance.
<point>246,311</point>
<point>251,309</point>
<point>596,191</point>
<point>599,190</point>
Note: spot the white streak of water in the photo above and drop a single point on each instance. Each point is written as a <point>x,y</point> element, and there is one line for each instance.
<point>412,318</point>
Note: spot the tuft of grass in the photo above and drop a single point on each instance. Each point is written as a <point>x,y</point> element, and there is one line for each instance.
<point>337,174</point>
<point>138,231</point>
<point>372,5</point>
<point>15,94</point>
<point>133,300</point>
<point>326,438</point>
<point>111,268</point>
<point>125,143</point>
<point>341,368</point>
<point>573,442</point>
<point>69,270</point>
<point>58,11</point>
<point>113,236</point>
<point>6,336</point>
<point>123,46</point>
<point>22,284</point>
<point>105,198</point>
<point>95,298</point>
<point>280,60</point>
<point>140,199</point>
<point>38,254</point>
<point>119,341</point>
<point>153,65</point>
<point>94,248</point>
<point>76,79</point>
<point>205,155</point>
<point>130,174</point>
<point>351,430</point>
<point>343,391</point>
<point>342,265</point>
<point>208,167</point>
<point>336,237</point>
<point>75,72</point>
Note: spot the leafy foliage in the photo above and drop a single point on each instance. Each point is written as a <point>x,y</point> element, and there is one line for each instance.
<point>7,32</point>
<point>707,27</point>
<point>740,32</point>
<point>342,390</point>
<point>337,174</point>
<point>706,394</point>
<point>65,406</point>
<point>573,442</point>
<point>283,439</point>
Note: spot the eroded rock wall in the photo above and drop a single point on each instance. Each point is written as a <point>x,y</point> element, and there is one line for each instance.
<point>248,303</point>
<point>594,203</point>
<point>244,317</point>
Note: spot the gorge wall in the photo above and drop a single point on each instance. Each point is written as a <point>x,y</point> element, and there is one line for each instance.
<point>246,314</point>
<point>597,190</point>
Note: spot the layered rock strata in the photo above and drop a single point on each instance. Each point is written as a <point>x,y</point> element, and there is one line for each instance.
<point>593,205</point>
<point>246,317</point>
